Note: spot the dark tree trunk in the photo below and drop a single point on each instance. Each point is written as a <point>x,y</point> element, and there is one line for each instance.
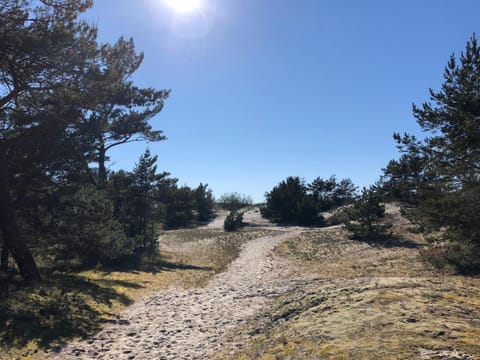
<point>8,224</point>
<point>102,170</point>
<point>4,258</point>
<point>144,225</point>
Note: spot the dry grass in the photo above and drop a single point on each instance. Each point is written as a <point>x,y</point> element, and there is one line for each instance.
<point>367,300</point>
<point>66,306</point>
<point>361,300</point>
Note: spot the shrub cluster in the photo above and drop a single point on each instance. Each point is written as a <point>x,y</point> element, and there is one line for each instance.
<point>233,221</point>
<point>293,201</point>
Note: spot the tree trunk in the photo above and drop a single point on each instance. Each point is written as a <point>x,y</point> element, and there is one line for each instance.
<point>102,171</point>
<point>8,224</point>
<point>144,215</point>
<point>4,258</point>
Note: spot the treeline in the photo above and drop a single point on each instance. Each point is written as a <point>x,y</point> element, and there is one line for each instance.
<point>436,179</point>
<point>65,101</point>
<point>294,202</point>
<point>233,201</point>
<point>91,225</point>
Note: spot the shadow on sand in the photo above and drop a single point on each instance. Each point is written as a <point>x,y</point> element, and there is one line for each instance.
<point>66,305</point>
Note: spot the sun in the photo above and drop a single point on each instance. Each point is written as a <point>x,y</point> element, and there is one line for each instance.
<point>183,6</point>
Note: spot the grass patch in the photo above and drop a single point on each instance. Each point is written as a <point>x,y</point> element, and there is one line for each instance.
<point>369,318</point>
<point>329,253</point>
<point>64,305</point>
<point>367,300</point>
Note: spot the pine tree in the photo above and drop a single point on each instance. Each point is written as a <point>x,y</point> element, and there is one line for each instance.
<point>290,202</point>
<point>145,180</point>
<point>121,110</point>
<point>367,216</point>
<point>44,52</point>
<point>440,174</point>
<point>204,203</point>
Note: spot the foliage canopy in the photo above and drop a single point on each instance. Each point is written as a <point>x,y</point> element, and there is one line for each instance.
<point>293,201</point>
<point>437,178</point>
<point>65,100</point>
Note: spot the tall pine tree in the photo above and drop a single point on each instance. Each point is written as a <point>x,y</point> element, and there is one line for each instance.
<point>440,174</point>
<point>121,111</point>
<point>44,52</point>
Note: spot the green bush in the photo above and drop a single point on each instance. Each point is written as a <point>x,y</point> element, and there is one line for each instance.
<point>291,203</point>
<point>331,193</point>
<point>233,221</point>
<point>204,203</point>
<point>85,231</point>
<point>367,220</point>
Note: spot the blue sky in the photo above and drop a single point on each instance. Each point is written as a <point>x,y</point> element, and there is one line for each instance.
<point>262,90</point>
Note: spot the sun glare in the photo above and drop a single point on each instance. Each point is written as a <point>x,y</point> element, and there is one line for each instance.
<point>183,6</point>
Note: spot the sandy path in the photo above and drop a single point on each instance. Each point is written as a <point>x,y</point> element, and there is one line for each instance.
<point>189,324</point>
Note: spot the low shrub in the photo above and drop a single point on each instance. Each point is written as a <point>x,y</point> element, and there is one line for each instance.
<point>367,220</point>
<point>233,221</point>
